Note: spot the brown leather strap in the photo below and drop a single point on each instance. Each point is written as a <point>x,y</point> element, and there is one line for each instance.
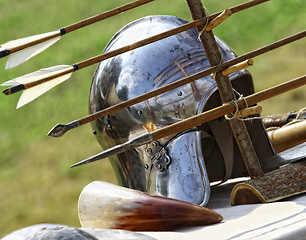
<point>223,135</point>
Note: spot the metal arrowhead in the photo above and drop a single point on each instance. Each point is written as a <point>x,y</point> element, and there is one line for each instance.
<point>60,129</point>
<point>135,142</point>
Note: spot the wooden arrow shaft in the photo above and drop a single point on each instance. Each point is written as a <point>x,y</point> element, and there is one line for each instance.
<point>196,120</point>
<point>25,86</point>
<point>138,44</point>
<point>104,15</point>
<point>228,108</point>
<point>165,34</point>
<point>141,43</point>
<point>111,13</point>
<point>183,28</point>
<point>137,3</point>
<point>80,24</point>
<point>190,78</point>
<point>172,85</point>
<point>35,42</point>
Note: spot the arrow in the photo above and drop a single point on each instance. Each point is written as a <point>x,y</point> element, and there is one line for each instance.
<point>21,50</point>
<point>60,129</point>
<point>47,77</point>
<point>40,78</point>
<point>197,120</point>
<point>133,143</point>
<point>43,79</point>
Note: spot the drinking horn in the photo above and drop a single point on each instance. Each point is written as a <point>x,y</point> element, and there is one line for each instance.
<point>104,205</point>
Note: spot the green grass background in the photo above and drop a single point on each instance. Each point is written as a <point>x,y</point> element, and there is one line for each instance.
<point>36,183</point>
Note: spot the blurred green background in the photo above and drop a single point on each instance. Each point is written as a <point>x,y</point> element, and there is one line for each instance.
<point>36,183</point>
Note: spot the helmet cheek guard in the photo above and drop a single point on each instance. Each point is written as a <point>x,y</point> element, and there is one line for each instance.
<point>180,166</point>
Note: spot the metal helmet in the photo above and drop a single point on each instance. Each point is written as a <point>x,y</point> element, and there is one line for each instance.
<point>180,166</point>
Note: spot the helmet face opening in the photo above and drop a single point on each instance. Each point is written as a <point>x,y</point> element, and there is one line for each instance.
<point>180,166</point>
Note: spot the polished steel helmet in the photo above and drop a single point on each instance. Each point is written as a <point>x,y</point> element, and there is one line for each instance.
<point>183,165</point>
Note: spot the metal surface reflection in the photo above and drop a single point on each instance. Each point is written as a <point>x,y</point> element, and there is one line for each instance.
<point>173,166</point>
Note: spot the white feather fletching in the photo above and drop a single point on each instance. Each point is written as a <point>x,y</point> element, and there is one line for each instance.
<point>34,92</point>
<point>10,83</point>
<point>23,55</point>
<point>35,76</point>
<point>21,41</point>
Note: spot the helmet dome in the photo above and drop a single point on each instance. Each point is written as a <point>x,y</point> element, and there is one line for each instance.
<point>180,166</point>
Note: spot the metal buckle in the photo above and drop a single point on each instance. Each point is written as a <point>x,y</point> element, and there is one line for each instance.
<point>160,158</point>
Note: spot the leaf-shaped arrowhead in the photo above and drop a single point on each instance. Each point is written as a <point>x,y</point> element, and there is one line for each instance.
<point>60,129</point>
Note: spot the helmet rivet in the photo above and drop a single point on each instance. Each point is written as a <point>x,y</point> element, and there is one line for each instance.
<point>139,113</point>
<point>154,144</point>
<point>149,150</point>
<point>146,166</point>
<point>159,167</point>
<point>94,132</point>
<point>179,93</point>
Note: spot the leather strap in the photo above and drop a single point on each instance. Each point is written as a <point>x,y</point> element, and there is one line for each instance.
<point>223,135</point>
